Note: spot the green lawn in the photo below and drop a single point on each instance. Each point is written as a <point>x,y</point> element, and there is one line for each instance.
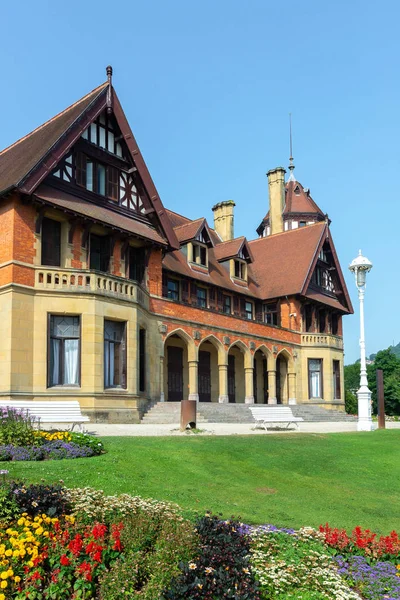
<point>291,480</point>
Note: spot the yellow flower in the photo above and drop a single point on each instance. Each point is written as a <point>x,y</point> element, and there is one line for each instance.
<point>2,597</point>
<point>3,584</point>
<point>4,575</point>
<point>8,552</point>
<point>17,579</point>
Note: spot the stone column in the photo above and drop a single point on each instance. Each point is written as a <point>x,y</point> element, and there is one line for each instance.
<point>223,397</point>
<point>292,388</point>
<point>193,380</point>
<point>162,397</point>
<point>272,387</point>
<point>249,385</point>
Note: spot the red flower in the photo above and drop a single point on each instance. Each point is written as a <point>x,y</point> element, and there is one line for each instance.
<point>97,556</point>
<point>117,545</point>
<point>76,545</point>
<point>35,576</point>
<point>64,560</point>
<point>99,531</point>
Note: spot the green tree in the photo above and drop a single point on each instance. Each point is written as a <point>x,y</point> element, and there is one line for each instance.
<point>390,365</point>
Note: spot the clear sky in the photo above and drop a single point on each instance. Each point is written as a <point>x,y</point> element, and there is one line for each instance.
<point>207,87</point>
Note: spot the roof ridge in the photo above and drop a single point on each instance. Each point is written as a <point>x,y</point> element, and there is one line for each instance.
<point>52,119</point>
<point>179,215</point>
<point>268,237</point>
<point>189,222</point>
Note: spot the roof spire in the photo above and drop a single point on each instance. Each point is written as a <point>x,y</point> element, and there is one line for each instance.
<point>291,165</point>
<point>109,71</point>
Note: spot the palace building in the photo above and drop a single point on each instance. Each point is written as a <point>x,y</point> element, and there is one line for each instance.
<point>108,297</point>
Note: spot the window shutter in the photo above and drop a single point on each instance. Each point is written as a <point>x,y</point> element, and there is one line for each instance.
<point>123,359</point>
<point>212,298</point>
<point>51,243</point>
<point>258,311</point>
<point>81,169</point>
<point>185,291</point>
<point>164,285</point>
<point>236,306</point>
<point>220,300</point>
<point>112,183</point>
<point>243,307</point>
<point>193,292</point>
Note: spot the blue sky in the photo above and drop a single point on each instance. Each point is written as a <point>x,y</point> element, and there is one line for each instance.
<point>207,87</point>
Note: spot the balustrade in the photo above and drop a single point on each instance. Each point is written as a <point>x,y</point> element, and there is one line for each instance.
<point>322,339</point>
<point>84,281</point>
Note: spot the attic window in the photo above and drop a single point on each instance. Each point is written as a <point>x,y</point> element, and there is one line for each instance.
<point>200,255</point>
<point>240,269</point>
<point>102,133</point>
<point>297,190</point>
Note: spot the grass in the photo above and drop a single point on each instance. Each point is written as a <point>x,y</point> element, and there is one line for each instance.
<point>346,479</point>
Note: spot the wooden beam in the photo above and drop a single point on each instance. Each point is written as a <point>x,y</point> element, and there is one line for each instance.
<point>39,220</point>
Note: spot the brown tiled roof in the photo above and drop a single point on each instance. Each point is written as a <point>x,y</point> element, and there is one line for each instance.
<point>20,158</point>
<point>188,231</point>
<point>282,262</point>
<point>97,213</point>
<point>299,200</point>
<point>231,248</point>
<point>217,274</point>
<point>176,219</point>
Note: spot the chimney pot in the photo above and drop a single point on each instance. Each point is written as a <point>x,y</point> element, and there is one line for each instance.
<point>276,191</point>
<point>223,219</point>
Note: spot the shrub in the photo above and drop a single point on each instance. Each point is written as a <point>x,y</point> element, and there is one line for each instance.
<point>16,427</point>
<point>153,550</point>
<point>8,507</point>
<point>36,499</point>
<point>88,441</point>
<point>92,504</point>
<point>221,567</point>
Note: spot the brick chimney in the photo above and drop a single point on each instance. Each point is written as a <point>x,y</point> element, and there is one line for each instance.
<point>223,219</point>
<point>276,191</point>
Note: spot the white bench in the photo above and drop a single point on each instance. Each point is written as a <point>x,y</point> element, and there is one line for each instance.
<point>264,415</point>
<point>51,412</point>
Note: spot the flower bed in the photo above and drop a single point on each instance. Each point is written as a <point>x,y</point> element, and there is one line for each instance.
<point>20,441</point>
<point>59,543</point>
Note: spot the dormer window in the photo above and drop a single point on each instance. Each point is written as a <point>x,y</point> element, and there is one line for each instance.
<point>239,269</point>
<point>200,255</point>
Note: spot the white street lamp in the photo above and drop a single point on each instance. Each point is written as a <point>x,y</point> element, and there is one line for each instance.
<point>360,266</point>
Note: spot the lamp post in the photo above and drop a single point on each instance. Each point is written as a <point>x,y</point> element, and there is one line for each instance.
<point>360,266</point>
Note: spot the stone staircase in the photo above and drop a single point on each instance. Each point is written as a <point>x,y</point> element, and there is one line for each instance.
<point>211,412</point>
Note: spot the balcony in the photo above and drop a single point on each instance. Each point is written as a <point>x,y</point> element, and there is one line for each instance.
<point>90,282</point>
<point>322,340</point>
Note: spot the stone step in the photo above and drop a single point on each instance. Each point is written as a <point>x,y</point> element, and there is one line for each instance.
<point>169,413</point>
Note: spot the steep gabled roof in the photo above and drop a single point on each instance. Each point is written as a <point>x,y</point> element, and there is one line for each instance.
<point>298,200</point>
<point>25,164</point>
<point>284,264</point>
<point>19,159</point>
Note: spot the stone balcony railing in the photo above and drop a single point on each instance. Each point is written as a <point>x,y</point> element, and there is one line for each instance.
<point>90,282</point>
<point>322,339</point>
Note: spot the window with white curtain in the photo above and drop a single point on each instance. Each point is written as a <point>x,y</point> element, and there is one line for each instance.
<point>64,351</point>
<point>315,378</point>
<point>114,354</point>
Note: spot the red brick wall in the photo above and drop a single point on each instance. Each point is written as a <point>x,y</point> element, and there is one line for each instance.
<point>206,320</point>
<point>76,261</point>
<point>24,232</point>
<point>154,272</point>
<point>17,241</point>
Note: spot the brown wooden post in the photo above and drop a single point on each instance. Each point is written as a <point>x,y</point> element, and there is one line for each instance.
<point>381,399</point>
